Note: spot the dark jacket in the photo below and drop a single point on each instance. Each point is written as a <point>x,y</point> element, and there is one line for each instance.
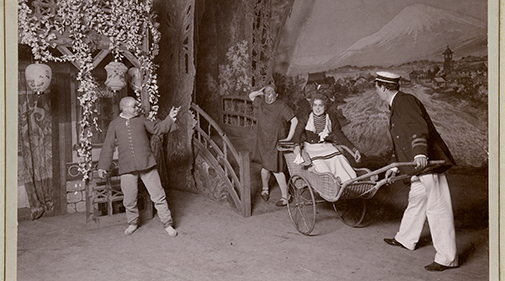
<point>413,133</point>
<point>336,136</point>
<point>132,139</point>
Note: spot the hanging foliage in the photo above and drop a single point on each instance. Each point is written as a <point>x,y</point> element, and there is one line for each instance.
<point>125,23</point>
<point>235,77</point>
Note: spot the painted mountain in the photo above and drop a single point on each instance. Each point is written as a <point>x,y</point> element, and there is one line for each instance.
<point>417,32</point>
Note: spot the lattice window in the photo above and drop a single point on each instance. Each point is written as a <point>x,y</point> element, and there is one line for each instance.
<point>238,111</point>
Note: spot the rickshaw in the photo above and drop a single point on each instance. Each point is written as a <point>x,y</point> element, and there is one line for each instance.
<point>309,188</point>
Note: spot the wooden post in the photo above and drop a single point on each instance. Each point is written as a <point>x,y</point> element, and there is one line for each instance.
<point>245,180</point>
<point>109,195</point>
<point>61,192</point>
<point>144,94</point>
<point>89,201</point>
<point>61,102</point>
<point>221,110</point>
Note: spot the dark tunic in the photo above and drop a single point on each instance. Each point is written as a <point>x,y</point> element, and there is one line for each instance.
<point>413,133</point>
<point>132,139</point>
<point>272,120</point>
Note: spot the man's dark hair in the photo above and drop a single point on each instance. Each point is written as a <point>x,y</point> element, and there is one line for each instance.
<point>389,86</point>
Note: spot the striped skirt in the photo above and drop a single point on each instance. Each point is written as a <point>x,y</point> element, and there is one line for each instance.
<point>327,158</point>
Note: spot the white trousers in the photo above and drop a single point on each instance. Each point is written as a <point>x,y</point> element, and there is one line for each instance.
<point>429,197</point>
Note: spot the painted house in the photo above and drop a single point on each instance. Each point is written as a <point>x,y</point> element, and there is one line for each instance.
<point>419,76</point>
<point>320,79</point>
<point>472,69</point>
<point>439,82</point>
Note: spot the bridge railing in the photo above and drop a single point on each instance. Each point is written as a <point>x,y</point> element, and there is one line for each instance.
<point>233,167</point>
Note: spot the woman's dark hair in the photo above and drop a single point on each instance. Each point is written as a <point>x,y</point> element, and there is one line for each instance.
<point>319,96</point>
<point>389,86</point>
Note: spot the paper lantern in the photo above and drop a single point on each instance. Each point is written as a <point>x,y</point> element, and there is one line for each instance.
<point>105,92</point>
<point>135,79</point>
<point>115,75</point>
<point>38,76</point>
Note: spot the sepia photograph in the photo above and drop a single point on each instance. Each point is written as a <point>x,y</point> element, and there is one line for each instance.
<point>254,140</point>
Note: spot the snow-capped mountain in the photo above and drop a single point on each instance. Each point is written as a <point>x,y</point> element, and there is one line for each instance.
<point>417,32</point>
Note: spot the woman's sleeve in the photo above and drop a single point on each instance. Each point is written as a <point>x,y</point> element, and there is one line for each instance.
<point>337,136</point>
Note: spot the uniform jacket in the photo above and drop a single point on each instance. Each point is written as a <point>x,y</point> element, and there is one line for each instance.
<point>132,140</point>
<point>413,133</point>
<point>336,135</point>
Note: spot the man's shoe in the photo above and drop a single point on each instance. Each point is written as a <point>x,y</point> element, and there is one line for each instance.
<point>131,228</point>
<point>171,231</point>
<point>437,267</point>
<point>393,242</point>
<point>283,201</point>
<point>265,194</point>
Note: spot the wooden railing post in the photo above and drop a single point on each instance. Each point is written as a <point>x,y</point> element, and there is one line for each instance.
<point>89,200</point>
<point>245,180</point>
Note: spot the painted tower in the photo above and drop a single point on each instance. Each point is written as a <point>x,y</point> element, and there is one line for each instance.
<point>448,60</point>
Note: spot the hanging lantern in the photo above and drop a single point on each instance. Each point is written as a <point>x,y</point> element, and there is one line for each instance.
<point>104,92</point>
<point>38,76</point>
<point>115,75</point>
<point>135,78</point>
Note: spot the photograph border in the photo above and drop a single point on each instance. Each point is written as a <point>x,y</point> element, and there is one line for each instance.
<point>8,167</point>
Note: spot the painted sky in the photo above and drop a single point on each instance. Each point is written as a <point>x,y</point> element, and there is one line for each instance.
<point>338,24</point>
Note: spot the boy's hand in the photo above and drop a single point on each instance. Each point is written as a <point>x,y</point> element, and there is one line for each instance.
<point>357,156</point>
<point>390,174</point>
<point>174,111</point>
<point>101,173</point>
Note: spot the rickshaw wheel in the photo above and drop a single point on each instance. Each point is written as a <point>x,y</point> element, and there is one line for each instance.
<point>302,210</point>
<point>351,211</point>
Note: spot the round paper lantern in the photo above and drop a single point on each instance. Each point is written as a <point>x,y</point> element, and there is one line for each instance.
<point>135,78</point>
<point>38,76</point>
<point>115,75</point>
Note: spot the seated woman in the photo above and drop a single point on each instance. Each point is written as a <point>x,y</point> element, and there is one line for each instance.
<point>317,131</point>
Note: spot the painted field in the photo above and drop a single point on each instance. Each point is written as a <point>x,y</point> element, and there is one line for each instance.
<point>465,134</point>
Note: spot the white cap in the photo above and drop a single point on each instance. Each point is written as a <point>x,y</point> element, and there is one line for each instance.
<point>387,77</point>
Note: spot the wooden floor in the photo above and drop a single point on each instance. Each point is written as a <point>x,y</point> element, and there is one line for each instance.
<point>215,243</point>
